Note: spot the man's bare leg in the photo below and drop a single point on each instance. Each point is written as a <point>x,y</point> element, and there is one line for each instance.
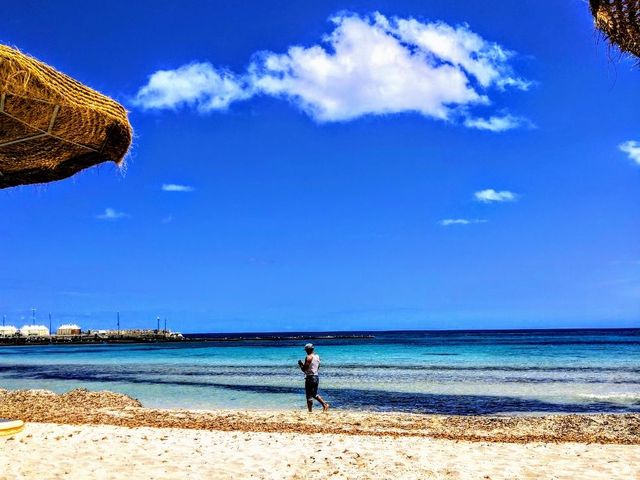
<point>310,404</point>
<point>325,405</point>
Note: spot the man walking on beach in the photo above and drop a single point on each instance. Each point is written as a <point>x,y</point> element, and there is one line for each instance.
<point>310,368</point>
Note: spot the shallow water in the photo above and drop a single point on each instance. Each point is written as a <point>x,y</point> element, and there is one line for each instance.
<point>439,372</point>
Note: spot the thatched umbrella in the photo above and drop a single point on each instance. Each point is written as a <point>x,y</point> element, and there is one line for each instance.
<point>619,20</point>
<point>52,126</point>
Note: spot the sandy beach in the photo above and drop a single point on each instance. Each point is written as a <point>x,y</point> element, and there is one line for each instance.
<point>85,434</point>
<point>51,451</point>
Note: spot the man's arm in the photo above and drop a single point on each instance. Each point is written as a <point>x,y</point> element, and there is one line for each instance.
<point>305,365</point>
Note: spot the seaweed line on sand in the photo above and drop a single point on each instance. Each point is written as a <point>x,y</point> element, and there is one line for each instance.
<point>81,406</point>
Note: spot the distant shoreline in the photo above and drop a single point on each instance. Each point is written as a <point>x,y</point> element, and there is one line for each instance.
<point>189,338</point>
<point>285,336</point>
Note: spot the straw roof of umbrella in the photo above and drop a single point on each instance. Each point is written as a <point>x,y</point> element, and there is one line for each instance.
<point>52,126</point>
<point>619,20</point>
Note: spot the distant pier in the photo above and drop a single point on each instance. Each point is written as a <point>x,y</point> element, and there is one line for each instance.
<point>68,335</point>
<point>161,336</point>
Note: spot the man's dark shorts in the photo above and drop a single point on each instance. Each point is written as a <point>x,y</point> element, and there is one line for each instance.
<point>311,386</point>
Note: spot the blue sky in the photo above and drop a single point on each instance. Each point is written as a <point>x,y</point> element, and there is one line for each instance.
<point>336,165</point>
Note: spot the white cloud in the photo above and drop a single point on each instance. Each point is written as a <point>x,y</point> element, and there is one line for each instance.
<point>368,70</point>
<point>490,195</point>
<point>199,85</point>
<point>486,61</point>
<point>368,65</point>
<point>111,214</point>
<point>632,149</point>
<point>460,221</point>
<point>496,123</point>
<point>174,187</point>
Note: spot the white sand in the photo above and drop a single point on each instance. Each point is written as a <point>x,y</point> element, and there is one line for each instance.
<point>50,451</point>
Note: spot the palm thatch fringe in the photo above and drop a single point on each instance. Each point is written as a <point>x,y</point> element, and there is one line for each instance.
<point>52,126</point>
<point>619,20</point>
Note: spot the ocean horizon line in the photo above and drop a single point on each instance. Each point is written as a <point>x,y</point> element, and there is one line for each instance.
<point>437,331</point>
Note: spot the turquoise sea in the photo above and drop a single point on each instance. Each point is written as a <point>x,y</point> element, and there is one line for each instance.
<point>473,372</point>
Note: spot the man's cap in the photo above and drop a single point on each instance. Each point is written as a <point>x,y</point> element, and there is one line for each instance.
<point>308,346</point>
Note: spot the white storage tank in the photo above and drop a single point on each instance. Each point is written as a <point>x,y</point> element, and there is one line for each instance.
<point>34,331</point>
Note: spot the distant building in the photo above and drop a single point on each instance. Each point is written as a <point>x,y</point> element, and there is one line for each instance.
<point>96,333</point>
<point>135,332</point>
<point>34,331</point>
<point>8,331</point>
<point>68,329</point>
